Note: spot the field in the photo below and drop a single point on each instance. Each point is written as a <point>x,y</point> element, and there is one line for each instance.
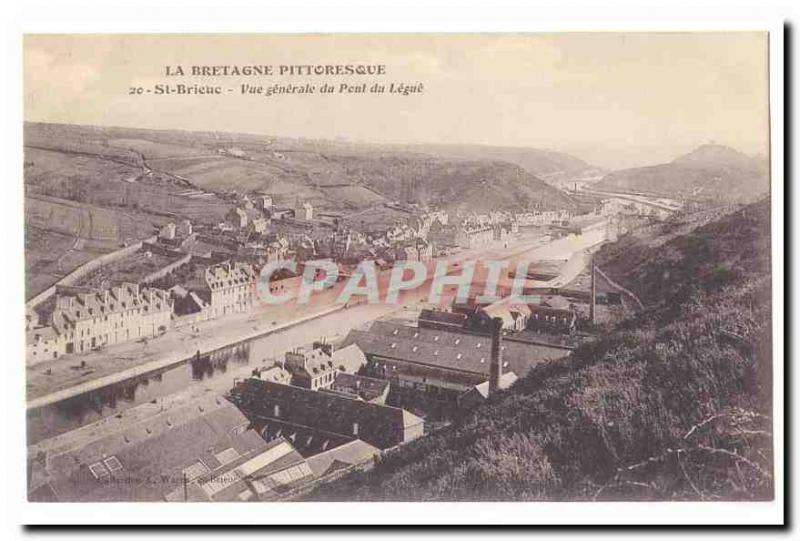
<point>61,235</point>
<point>337,176</point>
<point>95,188</point>
<point>131,269</point>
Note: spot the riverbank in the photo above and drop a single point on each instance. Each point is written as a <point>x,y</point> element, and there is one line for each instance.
<point>68,379</point>
<point>57,380</point>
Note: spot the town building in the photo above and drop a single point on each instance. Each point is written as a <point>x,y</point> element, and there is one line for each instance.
<point>443,363</point>
<point>441,320</point>
<point>349,359</point>
<point>442,236</point>
<point>259,224</point>
<point>554,320</point>
<point>225,288</point>
<point>341,457</point>
<point>43,343</point>
<point>479,393</point>
<point>361,387</point>
<point>432,371</point>
<point>267,473</point>
<point>276,373</point>
<point>311,369</point>
<point>126,312</point>
<point>501,231</point>
<point>184,228</point>
<point>167,232</point>
<point>237,217</point>
<point>514,315</point>
<point>290,406</point>
<point>473,237</point>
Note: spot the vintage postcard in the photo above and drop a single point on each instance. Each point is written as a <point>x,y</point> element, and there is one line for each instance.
<point>419,267</point>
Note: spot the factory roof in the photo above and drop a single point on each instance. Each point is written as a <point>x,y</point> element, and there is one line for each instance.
<point>460,351</point>
<point>378,424</point>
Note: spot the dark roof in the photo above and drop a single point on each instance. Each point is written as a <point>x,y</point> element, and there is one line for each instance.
<point>439,316</point>
<point>351,453</point>
<point>361,386</point>
<point>307,440</point>
<point>379,425</point>
<point>460,351</point>
<point>550,311</point>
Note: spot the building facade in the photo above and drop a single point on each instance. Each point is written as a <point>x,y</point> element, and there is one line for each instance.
<point>92,320</point>
<point>226,288</point>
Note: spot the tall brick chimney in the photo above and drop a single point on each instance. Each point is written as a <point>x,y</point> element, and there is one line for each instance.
<point>496,366</point>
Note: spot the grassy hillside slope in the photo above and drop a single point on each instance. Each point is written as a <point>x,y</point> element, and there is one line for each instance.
<point>332,175</point>
<point>673,403</point>
<point>712,172</point>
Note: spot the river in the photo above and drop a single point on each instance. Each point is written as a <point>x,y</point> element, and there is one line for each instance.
<point>217,371</point>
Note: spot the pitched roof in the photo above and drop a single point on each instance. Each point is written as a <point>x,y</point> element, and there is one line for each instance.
<point>72,308</point>
<point>378,424</point>
<point>360,386</point>
<point>265,475</point>
<point>506,381</point>
<point>454,319</point>
<point>351,453</point>
<point>349,358</point>
<point>307,440</point>
<point>460,351</point>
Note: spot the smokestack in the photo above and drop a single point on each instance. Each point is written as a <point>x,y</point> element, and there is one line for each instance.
<point>496,366</point>
<point>594,292</point>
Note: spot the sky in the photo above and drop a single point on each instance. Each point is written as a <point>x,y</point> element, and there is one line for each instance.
<point>613,99</point>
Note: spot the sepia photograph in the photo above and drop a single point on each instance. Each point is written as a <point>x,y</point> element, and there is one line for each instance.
<point>399,267</point>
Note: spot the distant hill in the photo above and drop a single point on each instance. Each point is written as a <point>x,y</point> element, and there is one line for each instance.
<point>476,185</point>
<point>714,172</point>
<point>332,175</point>
<point>534,161</point>
<point>673,403</point>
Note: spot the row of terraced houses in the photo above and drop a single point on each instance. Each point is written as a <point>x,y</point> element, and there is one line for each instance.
<point>80,322</point>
